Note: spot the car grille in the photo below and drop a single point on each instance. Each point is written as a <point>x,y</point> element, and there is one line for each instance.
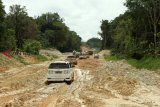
<point>58,72</point>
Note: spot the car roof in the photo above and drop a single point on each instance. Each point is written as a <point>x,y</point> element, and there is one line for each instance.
<point>71,56</point>
<point>61,62</point>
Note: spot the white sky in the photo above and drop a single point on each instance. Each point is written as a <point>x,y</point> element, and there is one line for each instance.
<point>81,16</point>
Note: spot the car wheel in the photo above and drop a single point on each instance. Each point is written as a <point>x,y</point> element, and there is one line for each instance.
<point>68,82</point>
<point>47,82</point>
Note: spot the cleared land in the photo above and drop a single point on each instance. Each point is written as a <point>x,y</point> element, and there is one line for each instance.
<point>97,84</point>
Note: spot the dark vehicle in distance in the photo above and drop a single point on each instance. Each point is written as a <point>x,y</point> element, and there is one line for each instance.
<point>72,59</point>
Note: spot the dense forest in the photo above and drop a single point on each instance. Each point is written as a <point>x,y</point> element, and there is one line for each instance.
<point>135,33</point>
<point>94,43</point>
<point>20,31</point>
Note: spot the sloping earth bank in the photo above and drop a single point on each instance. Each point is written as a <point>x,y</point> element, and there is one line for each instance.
<point>97,84</point>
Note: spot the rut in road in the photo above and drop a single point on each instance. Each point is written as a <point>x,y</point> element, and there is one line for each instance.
<point>97,83</point>
<point>72,97</point>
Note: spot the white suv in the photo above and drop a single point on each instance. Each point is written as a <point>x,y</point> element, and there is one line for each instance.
<point>60,71</point>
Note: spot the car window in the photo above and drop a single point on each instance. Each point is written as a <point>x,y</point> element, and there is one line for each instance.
<point>71,57</point>
<point>58,65</point>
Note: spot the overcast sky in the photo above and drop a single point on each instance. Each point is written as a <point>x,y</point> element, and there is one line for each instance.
<point>82,16</point>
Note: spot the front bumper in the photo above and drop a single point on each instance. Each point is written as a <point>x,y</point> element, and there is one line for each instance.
<point>59,79</point>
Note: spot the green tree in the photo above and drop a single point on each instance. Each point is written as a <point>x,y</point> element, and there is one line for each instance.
<point>150,8</point>
<point>136,32</point>
<point>17,20</point>
<point>32,46</point>
<point>54,33</point>
<point>94,43</point>
<point>73,42</point>
<point>2,26</point>
<point>106,34</point>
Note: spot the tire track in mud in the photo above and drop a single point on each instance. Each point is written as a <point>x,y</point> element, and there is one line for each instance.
<point>72,97</point>
<point>34,92</point>
<point>27,95</point>
<point>51,100</point>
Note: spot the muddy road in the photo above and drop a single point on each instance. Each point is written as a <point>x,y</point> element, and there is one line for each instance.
<point>97,83</point>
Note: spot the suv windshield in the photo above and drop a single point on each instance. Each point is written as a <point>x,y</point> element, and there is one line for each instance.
<point>71,57</point>
<point>58,65</point>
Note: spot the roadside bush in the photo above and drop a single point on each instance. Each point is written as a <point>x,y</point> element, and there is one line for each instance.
<point>8,41</point>
<point>42,58</point>
<point>32,46</point>
<point>113,57</point>
<point>46,58</point>
<point>147,62</point>
<point>20,59</point>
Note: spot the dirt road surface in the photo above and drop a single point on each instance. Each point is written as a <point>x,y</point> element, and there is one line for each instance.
<point>97,83</point>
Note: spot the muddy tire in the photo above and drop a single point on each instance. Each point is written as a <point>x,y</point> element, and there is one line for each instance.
<point>69,82</point>
<point>47,82</point>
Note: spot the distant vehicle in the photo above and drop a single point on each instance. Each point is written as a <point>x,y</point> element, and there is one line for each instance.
<point>60,71</point>
<point>87,55</point>
<point>77,54</point>
<point>90,52</point>
<point>96,56</point>
<point>83,56</point>
<point>72,59</point>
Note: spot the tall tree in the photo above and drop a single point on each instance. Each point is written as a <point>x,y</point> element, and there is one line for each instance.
<point>105,34</point>
<point>2,25</point>
<point>17,21</point>
<point>55,33</point>
<point>94,43</point>
<point>152,9</point>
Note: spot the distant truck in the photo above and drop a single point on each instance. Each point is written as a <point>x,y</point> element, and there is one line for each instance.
<point>72,59</point>
<point>83,56</point>
<point>90,52</point>
<point>60,71</point>
<point>96,56</point>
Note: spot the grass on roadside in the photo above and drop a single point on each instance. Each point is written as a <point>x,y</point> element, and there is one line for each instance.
<point>46,58</point>
<point>4,60</point>
<point>113,58</point>
<point>21,60</point>
<point>147,62</point>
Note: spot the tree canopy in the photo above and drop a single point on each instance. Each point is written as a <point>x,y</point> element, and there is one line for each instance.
<point>20,31</point>
<point>94,43</point>
<point>136,32</point>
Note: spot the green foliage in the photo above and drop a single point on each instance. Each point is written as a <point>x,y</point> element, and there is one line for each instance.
<point>7,36</point>
<point>147,62</point>
<point>134,33</point>
<point>46,58</point>
<point>20,59</point>
<point>94,43</point>
<point>2,12</point>
<point>106,31</point>
<point>8,41</point>
<point>113,57</point>
<point>32,46</point>
<point>42,58</point>
<point>5,60</point>
<point>2,25</point>
<point>16,19</point>
<point>73,42</point>
<point>18,30</point>
<point>55,34</point>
